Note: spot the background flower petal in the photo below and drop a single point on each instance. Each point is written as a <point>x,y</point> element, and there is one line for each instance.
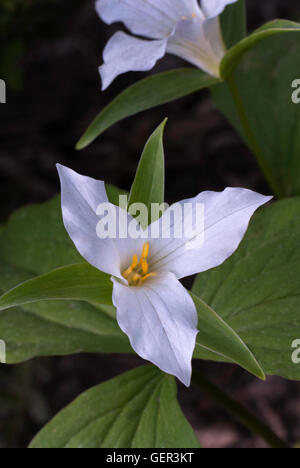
<point>190,42</point>
<point>149,18</point>
<point>212,8</point>
<point>213,33</point>
<point>160,320</point>
<point>124,53</point>
<point>226,218</point>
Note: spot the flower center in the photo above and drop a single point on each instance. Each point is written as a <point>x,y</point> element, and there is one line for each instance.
<point>138,271</point>
<point>194,15</point>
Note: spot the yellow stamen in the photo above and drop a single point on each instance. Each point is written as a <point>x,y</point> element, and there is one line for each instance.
<point>145,251</point>
<point>127,272</point>
<point>138,271</point>
<point>145,267</point>
<point>185,18</point>
<point>135,262</point>
<point>147,276</point>
<point>133,265</point>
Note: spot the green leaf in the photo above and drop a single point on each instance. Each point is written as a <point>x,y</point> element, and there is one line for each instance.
<point>257,290</point>
<point>149,183</point>
<point>113,193</point>
<point>138,409</point>
<point>34,242</point>
<point>150,92</point>
<point>236,53</point>
<point>233,23</point>
<point>58,328</point>
<point>264,79</point>
<point>77,282</point>
<point>216,336</point>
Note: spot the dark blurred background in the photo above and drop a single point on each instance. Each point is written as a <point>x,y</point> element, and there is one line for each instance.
<point>49,54</point>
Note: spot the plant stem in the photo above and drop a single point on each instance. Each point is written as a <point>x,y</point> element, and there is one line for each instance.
<point>251,137</point>
<point>240,413</point>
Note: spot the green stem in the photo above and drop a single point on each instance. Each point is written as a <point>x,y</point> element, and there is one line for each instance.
<point>240,413</point>
<point>251,137</point>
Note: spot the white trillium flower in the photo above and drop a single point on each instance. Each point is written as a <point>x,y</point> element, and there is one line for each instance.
<point>178,27</point>
<point>153,308</point>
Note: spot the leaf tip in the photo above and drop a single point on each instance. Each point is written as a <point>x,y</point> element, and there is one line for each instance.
<point>259,373</point>
<point>80,145</point>
<point>164,123</point>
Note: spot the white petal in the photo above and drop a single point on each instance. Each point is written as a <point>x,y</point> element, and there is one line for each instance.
<point>81,196</point>
<point>190,42</point>
<point>226,218</point>
<point>160,320</point>
<point>211,26</point>
<point>125,53</point>
<point>212,8</point>
<point>213,34</point>
<point>149,18</point>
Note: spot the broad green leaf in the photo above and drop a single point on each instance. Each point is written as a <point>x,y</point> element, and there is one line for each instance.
<point>257,290</point>
<point>233,23</point>
<point>236,53</point>
<point>77,282</point>
<point>138,409</point>
<point>57,328</point>
<point>113,193</point>
<point>264,79</point>
<point>34,242</point>
<point>150,92</point>
<point>149,183</point>
<point>216,336</point>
